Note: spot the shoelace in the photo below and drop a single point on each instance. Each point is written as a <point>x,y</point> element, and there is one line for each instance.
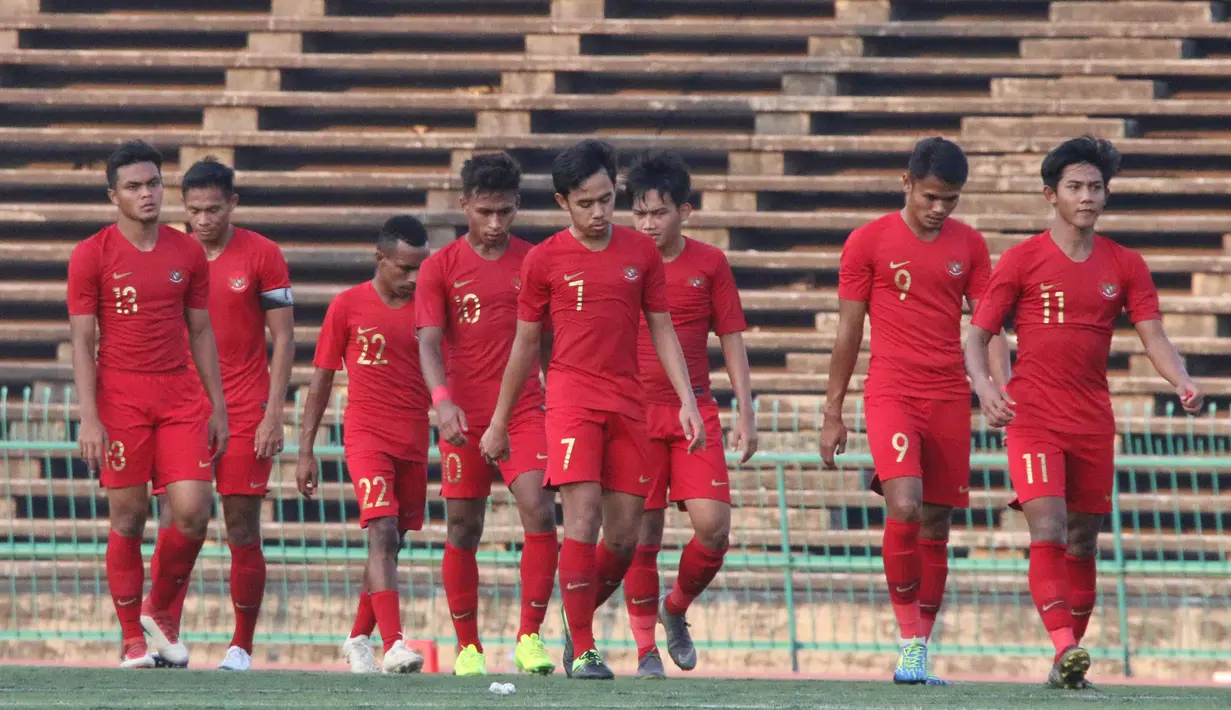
<point>591,657</point>
<point>912,656</point>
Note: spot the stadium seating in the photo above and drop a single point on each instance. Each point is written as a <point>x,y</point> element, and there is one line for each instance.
<point>797,119</point>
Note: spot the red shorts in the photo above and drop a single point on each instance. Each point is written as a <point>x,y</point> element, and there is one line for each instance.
<point>157,426</point>
<point>239,472</point>
<point>387,486</point>
<point>702,474</point>
<point>609,448</point>
<point>1080,468</point>
<point>922,438</point>
<point>465,473</point>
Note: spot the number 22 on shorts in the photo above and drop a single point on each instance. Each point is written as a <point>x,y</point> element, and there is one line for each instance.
<point>367,486</point>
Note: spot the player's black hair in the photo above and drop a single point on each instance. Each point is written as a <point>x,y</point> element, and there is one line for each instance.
<point>940,158</point>
<point>207,173</point>
<point>1098,152</point>
<point>661,171</point>
<point>578,163</point>
<point>131,153</point>
<point>490,172</point>
<point>401,228</point>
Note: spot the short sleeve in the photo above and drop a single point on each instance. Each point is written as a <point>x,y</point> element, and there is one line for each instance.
<point>534,299</point>
<point>83,278</point>
<point>430,295</point>
<point>855,272</point>
<point>274,279</point>
<point>1000,295</point>
<point>654,288</point>
<point>1141,299</point>
<point>724,299</point>
<point>980,267</point>
<point>197,296</point>
<point>331,345</point>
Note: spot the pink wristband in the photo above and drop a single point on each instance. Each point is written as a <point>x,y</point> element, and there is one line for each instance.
<point>439,395</point>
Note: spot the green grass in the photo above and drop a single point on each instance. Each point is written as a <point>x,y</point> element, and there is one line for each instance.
<point>96,688</point>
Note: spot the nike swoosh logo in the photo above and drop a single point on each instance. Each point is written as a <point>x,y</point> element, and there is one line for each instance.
<point>118,275</point>
<point>256,485</point>
<point>461,616</point>
<point>541,457</point>
<point>130,602</point>
<point>1047,287</point>
<point>1048,606</point>
<point>645,480</point>
<point>717,484</point>
<point>203,464</point>
<point>460,284</point>
<point>536,605</point>
<point>963,490</point>
<point>573,585</point>
<point>247,607</point>
<point>645,601</point>
<point>898,265</point>
<point>570,277</point>
<point>1081,613</point>
<point>907,588</point>
<point>361,331</point>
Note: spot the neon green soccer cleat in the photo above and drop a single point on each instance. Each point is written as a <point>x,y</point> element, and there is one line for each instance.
<point>912,666</point>
<point>531,656</point>
<point>470,662</point>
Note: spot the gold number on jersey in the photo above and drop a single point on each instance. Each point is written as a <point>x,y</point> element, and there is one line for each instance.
<point>453,468</point>
<point>115,456</point>
<point>367,486</point>
<point>901,279</point>
<point>376,341</point>
<point>568,449</point>
<point>1047,301</point>
<point>1030,468</point>
<point>125,300</point>
<point>901,444</point>
<point>580,285</point>
<point>468,308</point>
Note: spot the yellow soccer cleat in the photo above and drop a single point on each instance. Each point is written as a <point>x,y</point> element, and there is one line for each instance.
<point>531,656</point>
<point>470,662</point>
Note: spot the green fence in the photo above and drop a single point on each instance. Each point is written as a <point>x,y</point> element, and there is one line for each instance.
<point>802,587</point>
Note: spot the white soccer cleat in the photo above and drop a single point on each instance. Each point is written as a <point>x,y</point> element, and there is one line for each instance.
<point>237,660</point>
<point>358,653</point>
<point>136,655</point>
<point>163,635</point>
<point>400,659</point>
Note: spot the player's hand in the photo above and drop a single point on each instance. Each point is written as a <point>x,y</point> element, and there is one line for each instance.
<point>744,436</point>
<point>1191,396</point>
<point>219,433</point>
<point>93,443</point>
<point>833,439</point>
<point>451,421</point>
<point>694,427</point>
<point>269,437</point>
<point>307,473</point>
<point>996,404</point>
<point>495,443</point>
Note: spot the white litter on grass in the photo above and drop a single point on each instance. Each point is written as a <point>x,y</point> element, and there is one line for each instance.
<point>509,689</point>
<point>502,688</point>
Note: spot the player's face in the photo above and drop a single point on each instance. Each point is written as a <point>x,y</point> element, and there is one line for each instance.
<point>930,200</point>
<point>657,215</point>
<point>209,212</point>
<point>138,192</point>
<point>398,268</point>
<point>591,205</point>
<point>490,215</point>
<point>1080,197</point>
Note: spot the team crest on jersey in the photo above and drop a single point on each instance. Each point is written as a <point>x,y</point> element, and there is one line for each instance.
<point>1108,290</point>
<point>176,276</point>
<point>956,268</point>
<point>697,282</point>
<point>239,283</point>
<point>631,273</point>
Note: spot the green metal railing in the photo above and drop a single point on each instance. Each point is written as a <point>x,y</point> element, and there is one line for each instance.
<point>803,577</point>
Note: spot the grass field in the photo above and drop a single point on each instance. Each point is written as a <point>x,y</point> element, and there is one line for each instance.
<point>94,688</point>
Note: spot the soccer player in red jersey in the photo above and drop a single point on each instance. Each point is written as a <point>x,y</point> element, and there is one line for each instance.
<point>1067,286</point>
<point>250,289</point>
<point>467,297</point>
<point>701,293</point>
<point>908,272</point>
<point>370,330</point>
<point>593,280</point>
<point>144,416</point>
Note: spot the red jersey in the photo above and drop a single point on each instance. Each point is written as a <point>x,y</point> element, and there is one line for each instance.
<point>914,293</point>
<point>702,295</point>
<point>594,300</point>
<point>249,277</point>
<point>1065,315</point>
<point>475,301</point>
<point>385,389</point>
<point>139,297</point>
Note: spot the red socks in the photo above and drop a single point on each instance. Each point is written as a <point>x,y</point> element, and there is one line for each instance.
<point>388,616</point>
<point>174,557</point>
<point>698,567</point>
<point>903,571</point>
<point>611,569</point>
<point>1083,592</point>
<point>125,578</point>
<point>641,588</point>
<point>461,578</point>
<point>365,616</point>
<point>577,591</point>
<point>247,591</point>
<point>1049,587</point>
<point>934,557</point>
<point>538,577</point>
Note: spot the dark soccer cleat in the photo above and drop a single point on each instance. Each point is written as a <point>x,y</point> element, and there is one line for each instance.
<point>679,640</point>
<point>590,666</point>
<point>650,667</point>
<point>1069,670</point>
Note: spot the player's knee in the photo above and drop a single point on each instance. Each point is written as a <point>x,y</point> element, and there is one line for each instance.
<point>1049,529</point>
<point>714,535</point>
<point>652,523</point>
<point>541,518</point>
<point>905,509</point>
<point>383,538</point>
<point>242,529</point>
<point>464,533</point>
<point>127,524</point>
<point>1083,540</point>
<point>936,522</point>
<point>624,548</point>
<point>164,513</point>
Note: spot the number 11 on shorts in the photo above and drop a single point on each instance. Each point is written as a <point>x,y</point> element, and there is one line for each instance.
<point>1030,467</point>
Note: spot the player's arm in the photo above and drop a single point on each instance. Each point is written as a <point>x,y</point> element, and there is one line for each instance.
<point>281,324</point>
<point>522,359</point>
<point>735,355</point>
<point>205,357</point>
<point>671,355</point>
<point>314,405</point>
<point>851,316</point>
<point>450,419</point>
<point>999,361</point>
<point>1167,361</point>
<point>92,438</point>
<point>547,340</point>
